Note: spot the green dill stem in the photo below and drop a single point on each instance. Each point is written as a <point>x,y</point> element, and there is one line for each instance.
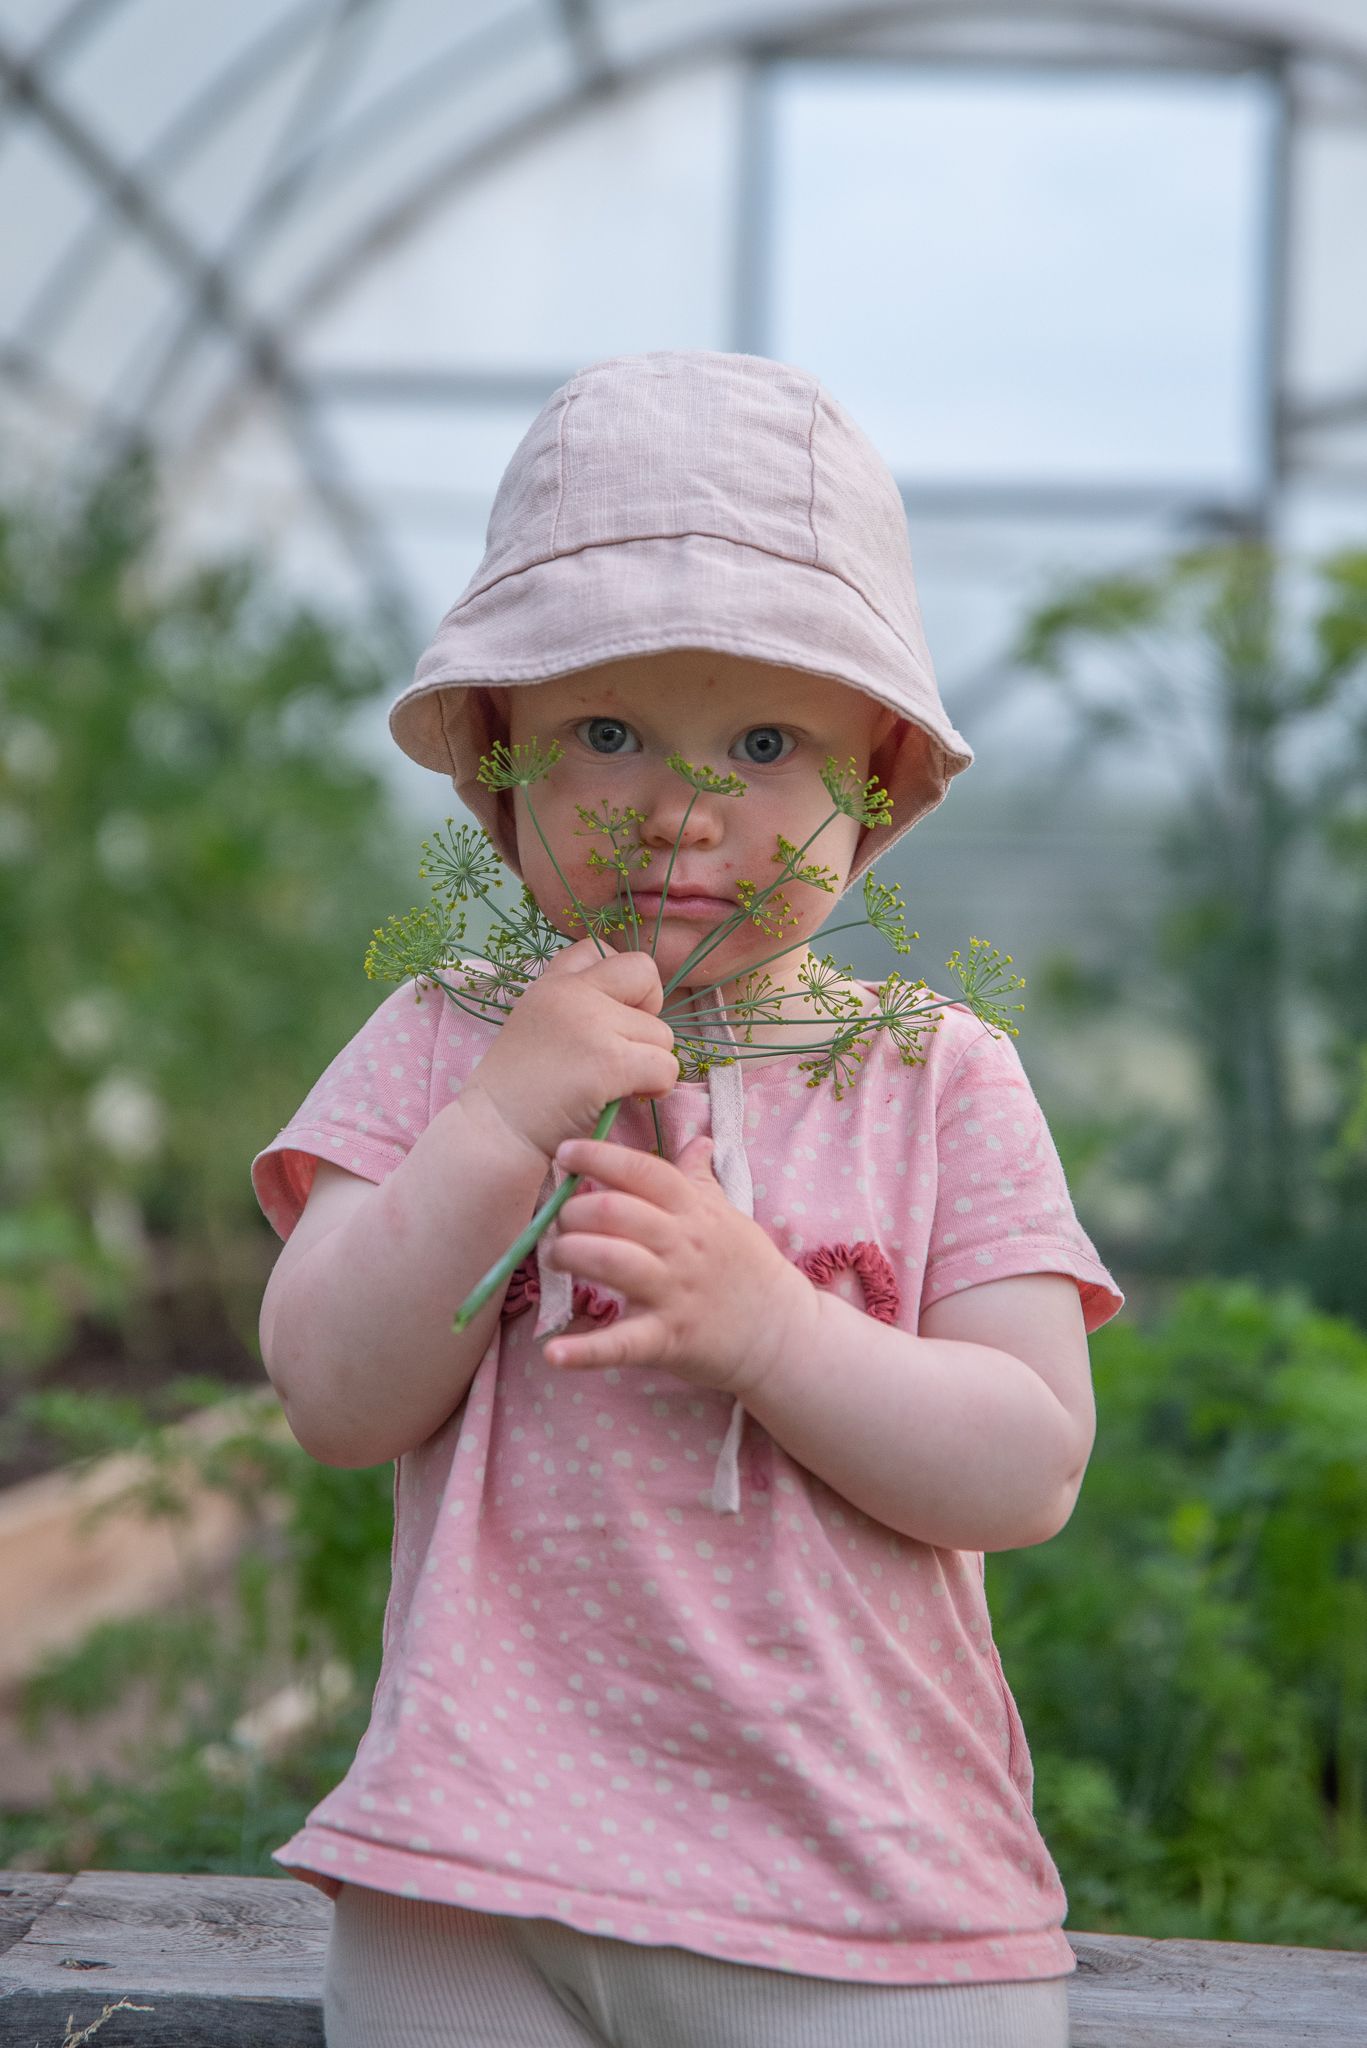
<point>583,912</point>
<point>742,916</point>
<point>748,1008</point>
<point>858,924</point>
<point>623,876</point>
<point>863,1020</point>
<point>485,898</point>
<point>482,1015</point>
<point>664,893</point>
<point>500,1273</point>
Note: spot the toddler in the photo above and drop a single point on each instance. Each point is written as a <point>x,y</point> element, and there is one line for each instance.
<point>690,1731</point>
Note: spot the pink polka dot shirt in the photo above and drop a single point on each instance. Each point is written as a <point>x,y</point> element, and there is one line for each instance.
<point>643,1672</point>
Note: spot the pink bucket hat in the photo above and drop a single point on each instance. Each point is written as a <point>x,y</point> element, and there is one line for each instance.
<point>689,499</point>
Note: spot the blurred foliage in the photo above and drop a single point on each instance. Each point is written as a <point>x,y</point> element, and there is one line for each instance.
<point>1189,1655</point>
<point>190,858</point>
<point>308,1588</point>
<point>1249,670</point>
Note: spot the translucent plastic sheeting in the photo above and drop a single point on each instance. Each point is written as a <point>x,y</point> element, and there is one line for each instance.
<point>337,251</point>
<point>1073,284</point>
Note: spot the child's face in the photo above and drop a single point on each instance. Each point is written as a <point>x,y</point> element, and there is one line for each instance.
<point>618,724</point>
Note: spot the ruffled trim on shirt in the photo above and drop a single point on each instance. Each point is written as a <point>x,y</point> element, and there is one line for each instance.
<point>882,1295</point>
<point>524,1292</point>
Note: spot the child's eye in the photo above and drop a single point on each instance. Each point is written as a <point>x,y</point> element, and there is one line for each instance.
<point>764,743</point>
<point>607,735</point>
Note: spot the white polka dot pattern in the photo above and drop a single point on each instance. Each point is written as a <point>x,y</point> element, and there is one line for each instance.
<point>782,1737</point>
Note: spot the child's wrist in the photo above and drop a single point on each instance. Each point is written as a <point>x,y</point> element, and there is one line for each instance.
<point>491,1123</point>
<point>789,1326</point>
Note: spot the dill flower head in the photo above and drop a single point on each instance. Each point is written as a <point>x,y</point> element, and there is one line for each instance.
<point>518,766</point>
<point>461,863</point>
<point>707,779</point>
<point>886,912</point>
<point>811,872</point>
<point>865,802</point>
<point>983,980</point>
<point>411,947</point>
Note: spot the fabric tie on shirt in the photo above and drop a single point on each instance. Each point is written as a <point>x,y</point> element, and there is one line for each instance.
<point>557,1286</point>
<point>731,1168</point>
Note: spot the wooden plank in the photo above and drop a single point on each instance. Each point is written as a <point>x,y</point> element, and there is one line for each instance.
<point>24,1894</point>
<point>1130,1992</point>
<point>223,1962</point>
<point>237,1962</point>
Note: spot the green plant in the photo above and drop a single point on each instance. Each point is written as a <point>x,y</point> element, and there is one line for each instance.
<point>424,944</point>
<point>1246,668</point>
<point>1190,1655</point>
<point>185,836</point>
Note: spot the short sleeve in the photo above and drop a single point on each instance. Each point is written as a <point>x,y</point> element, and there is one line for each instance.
<point>364,1112</point>
<point>1002,1205</point>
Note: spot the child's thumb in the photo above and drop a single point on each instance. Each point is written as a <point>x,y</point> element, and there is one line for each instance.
<point>696,1158</point>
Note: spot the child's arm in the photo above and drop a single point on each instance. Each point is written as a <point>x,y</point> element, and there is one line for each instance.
<point>356,1318</point>
<point>975,1440</point>
<point>972,1441</point>
<point>356,1322</point>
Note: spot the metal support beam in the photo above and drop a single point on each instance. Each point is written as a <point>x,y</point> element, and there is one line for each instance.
<point>257,347</point>
<point>585,37</point>
<point>754,212</point>
<point>1274,314</point>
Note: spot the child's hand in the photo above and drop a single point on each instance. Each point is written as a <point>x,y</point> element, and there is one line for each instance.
<point>585,1032</point>
<point>709,1295</point>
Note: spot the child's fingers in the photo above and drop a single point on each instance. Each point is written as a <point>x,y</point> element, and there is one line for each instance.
<point>615,1261</point>
<point>630,1340</point>
<point>638,1173</point>
<point>608,1212</point>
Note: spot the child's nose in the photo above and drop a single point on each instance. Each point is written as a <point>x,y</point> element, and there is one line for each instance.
<point>669,814</point>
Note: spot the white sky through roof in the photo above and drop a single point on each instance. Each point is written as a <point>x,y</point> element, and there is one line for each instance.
<point>1033,277</point>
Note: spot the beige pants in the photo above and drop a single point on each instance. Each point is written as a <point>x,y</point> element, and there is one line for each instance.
<point>403,1973</point>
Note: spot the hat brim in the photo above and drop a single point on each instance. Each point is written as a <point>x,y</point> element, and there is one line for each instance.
<point>633,599</point>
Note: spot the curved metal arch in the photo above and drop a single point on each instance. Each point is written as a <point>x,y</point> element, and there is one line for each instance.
<point>806,26</point>
<point>281,187</point>
<point>264,347</point>
<point>186,132</point>
<point>131,198</point>
<point>281,194</point>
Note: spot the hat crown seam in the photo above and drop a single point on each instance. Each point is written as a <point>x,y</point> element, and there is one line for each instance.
<point>811,494</point>
<point>687,533</point>
<point>570,397</point>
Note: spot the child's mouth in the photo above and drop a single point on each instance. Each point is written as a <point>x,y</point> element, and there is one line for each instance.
<point>648,905</point>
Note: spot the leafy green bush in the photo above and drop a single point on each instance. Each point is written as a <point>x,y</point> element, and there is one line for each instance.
<point>1190,1655</point>
<point>1246,667</point>
<point>190,859</point>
